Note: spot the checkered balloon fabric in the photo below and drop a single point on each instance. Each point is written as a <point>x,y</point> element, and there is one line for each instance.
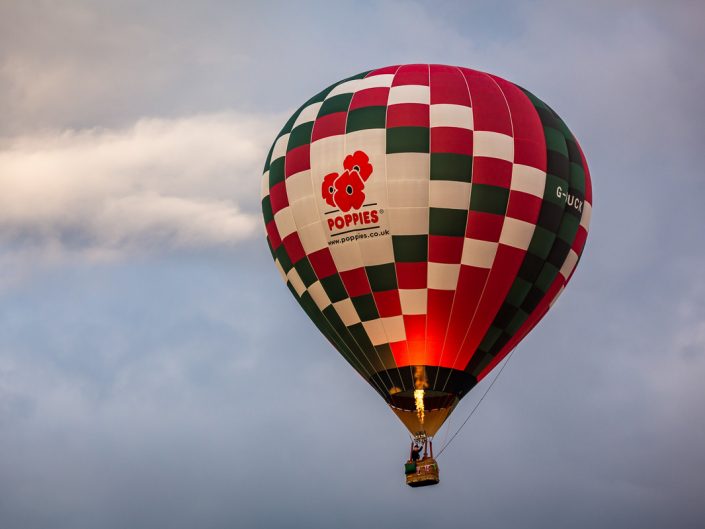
<point>425,217</point>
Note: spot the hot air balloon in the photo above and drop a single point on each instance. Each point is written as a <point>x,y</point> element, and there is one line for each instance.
<point>425,217</point>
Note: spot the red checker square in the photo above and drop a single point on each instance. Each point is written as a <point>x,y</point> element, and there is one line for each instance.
<point>484,226</point>
<point>492,171</point>
<point>415,327</point>
<point>448,86</point>
<point>273,234</point>
<point>278,197</point>
<point>579,241</point>
<point>388,303</point>
<point>356,282</point>
<point>297,160</point>
<point>322,263</point>
<point>445,249</point>
<point>530,152</point>
<point>412,275</point>
<point>383,71</point>
<point>411,74</point>
<point>293,247</point>
<point>452,140</point>
<point>523,206</point>
<point>400,352</point>
<point>408,115</point>
<point>370,97</point>
<point>329,125</point>
<point>490,110</point>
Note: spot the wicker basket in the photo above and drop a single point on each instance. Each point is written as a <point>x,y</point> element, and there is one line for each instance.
<point>426,473</point>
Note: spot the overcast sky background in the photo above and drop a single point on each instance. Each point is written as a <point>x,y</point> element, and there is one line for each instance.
<point>154,370</point>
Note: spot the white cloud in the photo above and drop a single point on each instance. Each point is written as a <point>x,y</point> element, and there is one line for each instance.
<point>156,186</point>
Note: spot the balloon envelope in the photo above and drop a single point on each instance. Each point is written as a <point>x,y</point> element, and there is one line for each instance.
<point>425,217</point>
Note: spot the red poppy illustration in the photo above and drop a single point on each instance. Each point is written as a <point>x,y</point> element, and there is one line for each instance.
<point>349,191</point>
<point>328,189</point>
<point>360,162</point>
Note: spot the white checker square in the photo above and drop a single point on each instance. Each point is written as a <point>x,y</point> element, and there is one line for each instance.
<point>375,331</point>
<point>516,233</point>
<point>449,194</point>
<point>443,276</point>
<point>299,185</point>
<point>327,155</point>
<point>319,296</point>
<point>409,166</point>
<point>307,114</point>
<point>312,237</point>
<point>409,93</point>
<point>493,145</point>
<point>279,149</point>
<point>373,142</point>
<point>394,328</point>
<point>408,193</point>
<point>413,300</point>
<point>587,214</point>
<point>346,256</point>
<point>346,311</point>
<point>528,180</point>
<point>478,253</point>
<point>377,250</point>
<point>284,219</point>
<point>451,116</point>
<point>408,221</point>
<point>296,282</point>
<point>569,264</point>
<point>305,211</point>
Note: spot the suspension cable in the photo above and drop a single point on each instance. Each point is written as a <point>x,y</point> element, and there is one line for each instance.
<point>509,356</point>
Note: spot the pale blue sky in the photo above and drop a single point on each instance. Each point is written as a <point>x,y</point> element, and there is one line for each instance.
<point>142,382</point>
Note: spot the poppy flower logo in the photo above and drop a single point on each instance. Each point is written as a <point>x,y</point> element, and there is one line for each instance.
<point>346,191</point>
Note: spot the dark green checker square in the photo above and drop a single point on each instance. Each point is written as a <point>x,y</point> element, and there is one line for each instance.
<point>553,192</point>
<point>410,248</point>
<point>555,141</point>
<point>546,277</point>
<point>518,320</point>
<point>359,334</point>
<point>301,135</point>
<point>520,288</point>
<point>366,118</point>
<point>306,273</point>
<point>283,257</point>
<point>450,166</point>
<point>339,103</point>
<point>267,210</point>
<point>569,227</point>
<point>334,287</point>
<point>489,199</point>
<point>276,172</point>
<point>407,139</point>
<point>541,242</point>
<point>269,157</point>
<point>490,338</point>
<point>385,353</point>
<point>365,307</point>
<point>451,222</point>
<point>482,363</point>
<point>382,277</point>
<point>577,178</point>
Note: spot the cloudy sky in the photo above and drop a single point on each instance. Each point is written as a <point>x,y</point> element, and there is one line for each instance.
<point>143,382</point>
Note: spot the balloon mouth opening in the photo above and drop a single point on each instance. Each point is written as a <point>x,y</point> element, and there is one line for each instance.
<point>437,406</point>
<point>433,400</point>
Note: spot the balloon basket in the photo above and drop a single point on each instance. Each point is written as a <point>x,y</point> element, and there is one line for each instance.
<point>421,473</point>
